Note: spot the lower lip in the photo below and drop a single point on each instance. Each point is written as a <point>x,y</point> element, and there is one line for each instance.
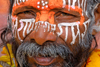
<point>44,60</point>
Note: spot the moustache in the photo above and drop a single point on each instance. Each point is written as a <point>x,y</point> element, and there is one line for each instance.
<point>48,49</point>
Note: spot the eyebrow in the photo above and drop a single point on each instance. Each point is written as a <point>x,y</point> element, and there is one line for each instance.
<point>23,8</point>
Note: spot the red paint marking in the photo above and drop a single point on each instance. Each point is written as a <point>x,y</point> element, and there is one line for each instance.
<point>49,17</point>
<point>99,55</point>
<point>88,61</point>
<point>97,50</point>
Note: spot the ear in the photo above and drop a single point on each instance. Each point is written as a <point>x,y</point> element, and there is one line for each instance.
<point>96,26</point>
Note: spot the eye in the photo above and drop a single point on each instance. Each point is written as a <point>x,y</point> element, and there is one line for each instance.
<point>26,14</point>
<point>63,14</point>
<point>66,17</point>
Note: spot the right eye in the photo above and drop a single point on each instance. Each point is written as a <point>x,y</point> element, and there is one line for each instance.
<point>26,14</point>
<point>66,17</point>
<point>63,14</point>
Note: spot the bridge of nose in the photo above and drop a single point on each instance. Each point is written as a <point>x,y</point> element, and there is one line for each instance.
<point>41,35</point>
<point>45,16</point>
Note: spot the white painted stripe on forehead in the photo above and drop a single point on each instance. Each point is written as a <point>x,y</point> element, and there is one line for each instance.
<point>27,21</point>
<point>79,3</point>
<point>20,1</point>
<point>64,3</point>
<point>73,4</point>
<point>69,4</point>
<point>84,5</point>
<point>68,24</point>
<point>23,0</point>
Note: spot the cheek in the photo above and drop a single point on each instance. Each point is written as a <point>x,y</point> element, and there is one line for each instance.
<point>72,34</point>
<point>82,29</point>
<point>20,31</point>
<point>64,34</point>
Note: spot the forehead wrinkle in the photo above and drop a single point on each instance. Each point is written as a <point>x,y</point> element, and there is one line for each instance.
<point>53,3</point>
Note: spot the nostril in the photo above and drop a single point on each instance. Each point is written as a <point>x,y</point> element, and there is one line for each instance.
<point>32,41</point>
<point>51,37</point>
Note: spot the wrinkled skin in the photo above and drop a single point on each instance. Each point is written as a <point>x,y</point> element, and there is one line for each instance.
<point>38,47</point>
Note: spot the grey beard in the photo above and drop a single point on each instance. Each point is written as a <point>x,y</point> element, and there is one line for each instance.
<point>50,49</point>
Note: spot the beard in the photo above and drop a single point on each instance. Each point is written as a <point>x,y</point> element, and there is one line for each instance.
<point>48,49</point>
<point>74,56</point>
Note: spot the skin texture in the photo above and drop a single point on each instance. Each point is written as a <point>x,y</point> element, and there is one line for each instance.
<point>39,48</point>
<point>40,13</point>
<point>4,6</point>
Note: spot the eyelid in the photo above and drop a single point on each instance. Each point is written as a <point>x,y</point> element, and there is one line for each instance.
<point>32,12</point>
<point>67,14</point>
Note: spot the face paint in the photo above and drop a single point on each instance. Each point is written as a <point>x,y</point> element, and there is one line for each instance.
<point>15,29</point>
<point>50,4</point>
<point>72,25</point>
<point>22,25</point>
<point>47,26</point>
<point>32,25</point>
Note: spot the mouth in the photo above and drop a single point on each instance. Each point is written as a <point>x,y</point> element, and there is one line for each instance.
<point>44,61</point>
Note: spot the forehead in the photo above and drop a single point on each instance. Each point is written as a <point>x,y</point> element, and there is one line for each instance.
<point>51,4</point>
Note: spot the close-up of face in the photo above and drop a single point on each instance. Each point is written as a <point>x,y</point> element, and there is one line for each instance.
<point>50,33</point>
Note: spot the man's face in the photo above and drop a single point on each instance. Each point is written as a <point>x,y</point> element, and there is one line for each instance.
<point>48,31</point>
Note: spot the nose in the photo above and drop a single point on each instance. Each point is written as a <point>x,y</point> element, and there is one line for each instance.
<point>41,34</point>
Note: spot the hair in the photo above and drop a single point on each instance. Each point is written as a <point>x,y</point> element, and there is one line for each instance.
<point>86,52</point>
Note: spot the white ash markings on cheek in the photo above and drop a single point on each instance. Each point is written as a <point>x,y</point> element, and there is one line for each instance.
<point>16,32</point>
<point>22,25</point>
<point>72,25</point>
<point>46,25</point>
<point>26,25</point>
<point>85,25</point>
<point>66,25</point>
<point>66,29</point>
<point>28,31</point>
<point>14,24</point>
<point>73,34</point>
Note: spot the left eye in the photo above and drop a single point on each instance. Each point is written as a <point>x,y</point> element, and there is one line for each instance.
<point>63,14</point>
<point>66,17</point>
<point>27,12</point>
